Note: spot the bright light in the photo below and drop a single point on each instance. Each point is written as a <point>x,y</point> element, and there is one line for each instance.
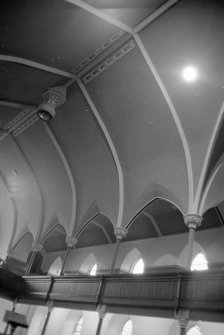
<point>190,73</point>
<point>199,263</point>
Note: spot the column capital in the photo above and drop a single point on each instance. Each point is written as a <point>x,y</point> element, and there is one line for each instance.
<point>183,318</point>
<point>120,233</point>
<point>101,309</point>
<point>71,241</point>
<point>192,220</point>
<point>37,247</point>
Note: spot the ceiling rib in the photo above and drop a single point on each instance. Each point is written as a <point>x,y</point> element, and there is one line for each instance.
<point>104,231</point>
<point>113,151</point>
<point>152,17</point>
<point>69,174</point>
<point>154,223</point>
<point>102,15</point>
<point>175,117</point>
<point>14,104</point>
<point>36,182</point>
<point>208,156</point>
<point>219,216</point>
<point>26,62</point>
<point>207,188</point>
<point>15,212</point>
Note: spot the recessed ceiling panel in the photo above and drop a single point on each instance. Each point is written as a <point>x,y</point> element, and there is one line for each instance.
<point>129,12</point>
<point>7,114</point>
<point>89,157</point>
<point>211,219</point>
<point>191,34</point>
<point>53,32</point>
<point>144,133</point>
<point>90,236</point>
<point>24,84</point>
<point>140,229</point>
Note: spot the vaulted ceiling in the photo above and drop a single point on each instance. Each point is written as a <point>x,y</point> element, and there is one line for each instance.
<point>131,130</point>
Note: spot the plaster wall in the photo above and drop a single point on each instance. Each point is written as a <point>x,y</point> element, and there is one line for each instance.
<point>163,251</point>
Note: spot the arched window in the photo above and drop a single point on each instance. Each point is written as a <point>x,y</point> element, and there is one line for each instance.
<point>78,327</point>
<point>199,263</point>
<point>194,331</point>
<point>127,328</point>
<point>138,266</point>
<point>55,268</point>
<point>93,269</point>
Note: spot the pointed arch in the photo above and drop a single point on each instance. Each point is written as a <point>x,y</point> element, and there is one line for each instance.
<point>197,248</point>
<point>208,157</point>
<point>210,182</point>
<point>99,230</point>
<point>69,175</point>
<point>158,218</point>
<point>55,267</point>
<point>195,330</point>
<point>199,263</point>
<point>127,328</point>
<point>23,246</point>
<point>88,263</point>
<point>55,238</point>
<point>130,260</point>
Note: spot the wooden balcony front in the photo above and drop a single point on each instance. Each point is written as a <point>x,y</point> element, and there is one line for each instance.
<point>161,294</point>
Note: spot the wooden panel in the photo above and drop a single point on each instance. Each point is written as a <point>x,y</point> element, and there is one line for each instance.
<point>202,293</point>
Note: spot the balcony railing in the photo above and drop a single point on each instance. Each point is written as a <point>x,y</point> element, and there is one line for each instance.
<point>161,294</point>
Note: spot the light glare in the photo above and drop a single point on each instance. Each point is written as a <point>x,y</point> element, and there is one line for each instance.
<point>190,73</point>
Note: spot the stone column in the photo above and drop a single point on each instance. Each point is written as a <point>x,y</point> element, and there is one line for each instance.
<point>120,233</point>
<point>49,310</point>
<point>192,221</point>
<point>71,243</point>
<point>183,318</point>
<point>101,309</point>
<point>37,247</point>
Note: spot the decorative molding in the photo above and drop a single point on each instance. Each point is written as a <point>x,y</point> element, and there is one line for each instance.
<point>25,125</point>
<point>71,241</point>
<point>98,52</point>
<point>120,233</point>
<point>192,220</point>
<point>109,61</point>
<point>18,118</point>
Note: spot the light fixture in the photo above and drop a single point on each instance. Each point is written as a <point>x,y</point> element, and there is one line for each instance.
<point>53,98</point>
<point>190,73</point>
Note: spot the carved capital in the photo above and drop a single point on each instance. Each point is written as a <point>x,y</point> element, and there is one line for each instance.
<point>192,220</point>
<point>71,241</point>
<point>55,96</point>
<point>37,247</point>
<point>183,318</point>
<point>101,309</point>
<point>120,233</point>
